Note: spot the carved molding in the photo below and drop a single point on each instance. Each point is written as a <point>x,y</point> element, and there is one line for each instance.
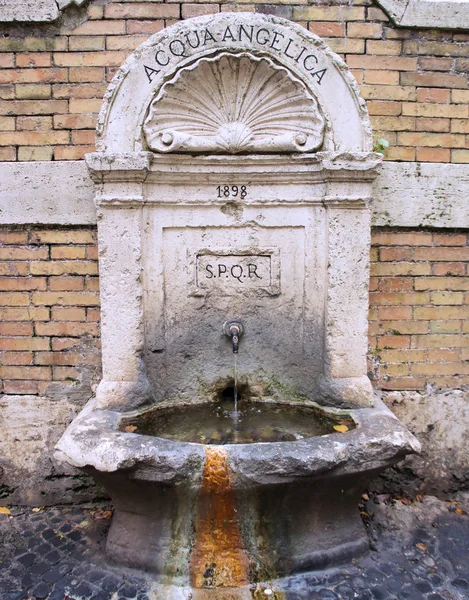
<point>34,10</point>
<point>234,103</point>
<point>438,14</point>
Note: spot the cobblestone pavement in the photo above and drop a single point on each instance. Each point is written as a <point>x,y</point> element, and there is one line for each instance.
<point>419,550</point>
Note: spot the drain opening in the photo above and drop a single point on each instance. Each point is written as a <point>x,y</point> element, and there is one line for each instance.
<point>228,393</point>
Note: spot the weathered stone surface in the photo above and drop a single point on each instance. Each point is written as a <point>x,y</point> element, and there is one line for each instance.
<point>46,193</point>
<point>404,194</point>
<point>29,428</point>
<point>438,14</point>
<point>421,195</point>
<point>439,420</point>
<point>34,10</point>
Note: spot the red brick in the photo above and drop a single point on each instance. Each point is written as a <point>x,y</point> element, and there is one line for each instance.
<point>433,95</point>
<point>68,314</point>
<point>19,344</point>
<point>59,373</point>
<point>442,155</point>
<point>396,253</point>
<point>67,252</point>
<point>442,283</point>
<point>453,268</point>
<point>403,327</point>
<point>453,326</point>
<point>13,237</point>
<point>452,239</point>
<point>20,387</point>
<point>442,254</point>
<point>384,108</point>
<point>394,341</point>
<point>14,299</point>
<point>23,283</point>
<point>65,283</point>
<point>17,358</point>
<point>435,64</point>
<point>67,329</point>
<point>14,268</point>
<point>397,313</point>
<point>403,383</point>
<point>440,341</point>
<point>400,238</point>
<point>15,372</point>
<point>24,253</point>
<point>401,355</point>
<point>143,10</point>
<point>396,284</point>
<point>58,358</point>
<point>14,328</point>
<point>63,267</point>
<point>65,298</point>
<point>436,356</point>
<point>397,298</point>
<point>436,125</point>
<point>327,29</point>
<point>24,314</point>
<point>144,27</point>
<point>93,315</point>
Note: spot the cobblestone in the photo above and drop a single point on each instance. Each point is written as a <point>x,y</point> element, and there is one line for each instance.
<point>420,551</point>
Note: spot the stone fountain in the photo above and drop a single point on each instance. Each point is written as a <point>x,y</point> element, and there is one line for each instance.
<point>233,175</point>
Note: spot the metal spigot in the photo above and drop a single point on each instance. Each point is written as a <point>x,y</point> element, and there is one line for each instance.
<point>234,330</point>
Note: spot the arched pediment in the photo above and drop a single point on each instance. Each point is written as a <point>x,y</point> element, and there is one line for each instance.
<point>234,82</point>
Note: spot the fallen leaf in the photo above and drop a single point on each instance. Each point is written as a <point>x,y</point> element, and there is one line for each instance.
<point>341,428</point>
<point>38,509</point>
<point>406,501</point>
<point>4,510</point>
<point>419,497</point>
<point>101,514</point>
<point>130,428</point>
<point>365,497</point>
<point>364,514</point>
<point>82,524</point>
<point>421,546</point>
<point>460,511</point>
<point>59,533</point>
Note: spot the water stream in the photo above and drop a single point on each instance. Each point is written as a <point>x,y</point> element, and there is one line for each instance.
<point>235,389</point>
<point>235,398</point>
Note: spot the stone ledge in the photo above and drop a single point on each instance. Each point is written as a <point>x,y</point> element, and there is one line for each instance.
<point>437,14</point>
<point>34,11</point>
<point>405,194</point>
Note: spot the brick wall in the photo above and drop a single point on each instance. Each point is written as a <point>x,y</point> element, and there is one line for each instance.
<point>53,77</point>
<point>419,309</point>
<point>49,310</point>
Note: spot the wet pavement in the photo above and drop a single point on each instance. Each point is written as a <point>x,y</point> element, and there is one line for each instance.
<point>419,551</point>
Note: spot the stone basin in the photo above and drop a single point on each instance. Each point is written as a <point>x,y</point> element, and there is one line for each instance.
<point>223,516</point>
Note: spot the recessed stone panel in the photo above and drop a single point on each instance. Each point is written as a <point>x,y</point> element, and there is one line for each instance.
<point>234,271</point>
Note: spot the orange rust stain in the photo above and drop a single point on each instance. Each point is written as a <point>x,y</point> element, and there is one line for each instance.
<point>218,558</point>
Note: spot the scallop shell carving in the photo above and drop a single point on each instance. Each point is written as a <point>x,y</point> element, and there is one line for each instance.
<point>234,103</point>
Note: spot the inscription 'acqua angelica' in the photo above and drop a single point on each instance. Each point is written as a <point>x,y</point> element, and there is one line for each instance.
<point>258,37</point>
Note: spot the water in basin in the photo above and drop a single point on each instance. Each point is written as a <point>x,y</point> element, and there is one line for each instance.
<point>215,423</point>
